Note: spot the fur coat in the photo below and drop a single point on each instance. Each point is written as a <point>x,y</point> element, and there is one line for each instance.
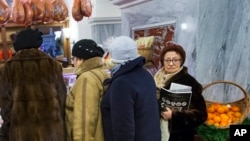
<point>182,126</point>
<point>32,98</point>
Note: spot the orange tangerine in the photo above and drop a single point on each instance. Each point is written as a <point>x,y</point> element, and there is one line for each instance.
<point>210,109</point>
<point>224,118</point>
<point>214,106</point>
<point>223,114</point>
<point>216,124</point>
<point>210,122</point>
<point>235,108</point>
<point>220,110</point>
<point>217,119</point>
<point>230,113</point>
<point>226,108</point>
<point>237,114</point>
<point>210,116</point>
<point>233,119</point>
<point>224,123</point>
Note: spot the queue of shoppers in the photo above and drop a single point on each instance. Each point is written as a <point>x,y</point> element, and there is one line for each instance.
<point>112,99</point>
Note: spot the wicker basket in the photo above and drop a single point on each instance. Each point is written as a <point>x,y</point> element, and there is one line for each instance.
<point>243,104</point>
<point>145,52</point>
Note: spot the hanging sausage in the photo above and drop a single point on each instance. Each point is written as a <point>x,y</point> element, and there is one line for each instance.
<point>4,12</point>
<point>38,10</point>
<point>76,10</point>
<point>49,11</point>
<point>86,8</point>
<point>60,10</point>
<point>28,12</point>
<point>18,14</point>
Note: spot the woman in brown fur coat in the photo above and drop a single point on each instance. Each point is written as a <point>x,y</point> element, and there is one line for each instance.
<point>32,93</point>
<point>176,124</point>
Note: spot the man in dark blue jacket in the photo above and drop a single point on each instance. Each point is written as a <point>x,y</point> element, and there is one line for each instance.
<point>129,106</point>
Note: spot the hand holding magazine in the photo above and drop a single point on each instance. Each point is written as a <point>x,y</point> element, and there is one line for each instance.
<point>177,97</point>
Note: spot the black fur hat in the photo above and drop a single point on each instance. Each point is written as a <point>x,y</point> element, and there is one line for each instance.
<point>28,38</point>
<point>86,49</point>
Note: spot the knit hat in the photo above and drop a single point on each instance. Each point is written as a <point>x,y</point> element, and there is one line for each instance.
<point>28,38</point>
<point>170,46</point>
<point>123,49</point>
<point>86,49</point>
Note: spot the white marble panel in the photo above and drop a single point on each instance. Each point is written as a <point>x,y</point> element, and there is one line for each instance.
<point>214,33</point>
<point>127,3</point>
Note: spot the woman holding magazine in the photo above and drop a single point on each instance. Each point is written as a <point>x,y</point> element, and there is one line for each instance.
<point>178,123</point>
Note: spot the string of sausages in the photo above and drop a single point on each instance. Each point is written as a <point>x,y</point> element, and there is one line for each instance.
<point>27,12</point>
<point>81,8</point>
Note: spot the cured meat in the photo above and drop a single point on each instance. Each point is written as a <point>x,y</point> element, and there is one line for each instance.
<point>28,12</point>
<point>38,10</point>
<point>76,10</point>
<point>49,11</point>
<point>4,12</point>
<point>18,14</point>
<point>86,8</point>
<point>60,10</point>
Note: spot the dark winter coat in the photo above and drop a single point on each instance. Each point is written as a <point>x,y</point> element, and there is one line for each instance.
<point>183,124</point>
<point>32,98</point>
<point>129,106</point>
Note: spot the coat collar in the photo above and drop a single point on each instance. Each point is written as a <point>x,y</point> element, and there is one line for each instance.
<point>29,54</point>
<point>128,66</point>
<point>180,74</point>
<point>87,65</point>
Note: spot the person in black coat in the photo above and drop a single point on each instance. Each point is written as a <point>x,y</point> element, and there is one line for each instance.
<point>129,106</point>
<point>181,124</point>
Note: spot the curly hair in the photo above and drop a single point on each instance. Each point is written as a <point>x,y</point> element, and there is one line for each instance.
<point>171,46</point>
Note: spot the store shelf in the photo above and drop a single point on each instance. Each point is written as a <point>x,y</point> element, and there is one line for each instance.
<point>8,42</point>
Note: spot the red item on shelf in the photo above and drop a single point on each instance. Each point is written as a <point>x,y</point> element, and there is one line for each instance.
<point>9,53</point>
<point>1,55</point>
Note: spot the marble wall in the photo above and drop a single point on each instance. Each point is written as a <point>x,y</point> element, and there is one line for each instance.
<point>215,35</point>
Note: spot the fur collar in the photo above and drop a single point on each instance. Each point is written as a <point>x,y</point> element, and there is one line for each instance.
<point>161,77</point>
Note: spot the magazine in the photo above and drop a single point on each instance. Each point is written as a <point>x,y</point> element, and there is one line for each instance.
<point>177,97</point>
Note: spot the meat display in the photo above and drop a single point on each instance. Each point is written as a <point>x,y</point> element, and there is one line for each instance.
<point>18,13</point>
<point>4,12</point>
<point>49,11</point>
<point>28,12</point>
<point>86,7</point>
<point>81,8</point>
<point>76,10</point>
<point>60,10</point>
<point>38,10</point>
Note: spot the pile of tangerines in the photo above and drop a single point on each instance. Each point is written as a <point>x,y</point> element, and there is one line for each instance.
<point>221,115</point>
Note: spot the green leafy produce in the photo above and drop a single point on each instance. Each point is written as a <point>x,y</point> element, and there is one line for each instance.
<point>211,133</point>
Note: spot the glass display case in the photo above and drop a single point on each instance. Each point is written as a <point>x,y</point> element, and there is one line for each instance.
<point>69,77</point>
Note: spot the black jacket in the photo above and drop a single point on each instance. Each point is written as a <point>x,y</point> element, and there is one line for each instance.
<point>183,123</point>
